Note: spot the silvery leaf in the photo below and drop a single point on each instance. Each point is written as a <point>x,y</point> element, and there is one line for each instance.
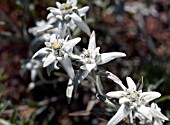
<point>54,11</point>
<point>58,4</point>
<point>120,114</point>
<point>106,57</point>
<point>82,11</point>
<point>67,65</point>
<point>92,42</point>
<point>157,114</point>
<point>115,79</point>
<point>68,46</point>
<point>124,100</point>
<point>131,84</point>
<point>69,90</point>
<point>82,74</point>
<point>88,67</point>
<point>50,15</point>
<point>149,96</point>
<point>80,23</point>
<point>145,112</point>
<point>116,94</point>
<point>53,38</point>
<point>50,59</point>
<point>43,52</point>
<point>62,27</point>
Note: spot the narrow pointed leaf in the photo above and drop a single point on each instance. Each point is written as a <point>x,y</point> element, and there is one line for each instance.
<point>82,11</point>
<point>145,112</point>
<point>50,15</point>
<point>67,65</point>
<point>50,59</point>
<point>80,23</point>
<point>54,11</point>
<point>131,84</point>
<point>106,57</point>
<point>149,96</point>
<point>58,4</point>
<point>116,94</point>
<point>82,74</point>
<point>124,100</point>
<point>62,28</point>
<point>42,51</point>
<point>120,114</point>
<point>89,67</point>
<point>157,114</point>
<point>115,79</point>
<point>68,46</point>
<point>92,42</point>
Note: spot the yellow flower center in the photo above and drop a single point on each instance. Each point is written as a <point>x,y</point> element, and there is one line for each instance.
<point>134,96</point>
<point>55,45</point>
<point>67,6</point>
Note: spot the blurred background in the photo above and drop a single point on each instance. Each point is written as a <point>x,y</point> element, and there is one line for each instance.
<point>139,28</point>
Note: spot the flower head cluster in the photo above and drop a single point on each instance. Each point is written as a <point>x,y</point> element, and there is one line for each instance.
<point>69,15</point>
<point>91,57</point>
<point>58,50</point>
<point>135,100</point>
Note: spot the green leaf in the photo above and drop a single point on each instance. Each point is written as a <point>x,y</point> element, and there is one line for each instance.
<point>162,99</point>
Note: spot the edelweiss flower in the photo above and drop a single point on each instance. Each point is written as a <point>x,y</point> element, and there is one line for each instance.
<point>155,111</point>
<point>68,14</point>
<point>42,31</point>
<point>132,100</point>
<point>58,50</point>
<point>90,59</point>
<point>41,26</point>
<point>34,66</point>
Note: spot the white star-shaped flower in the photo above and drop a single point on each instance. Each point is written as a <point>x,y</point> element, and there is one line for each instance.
<point>132,100</point>
<point>91,58</point>
<point>68,14</point>
<point>58,50</point>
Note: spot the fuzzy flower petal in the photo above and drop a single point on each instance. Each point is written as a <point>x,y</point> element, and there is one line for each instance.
<point>80,23</point>
<point>50,59</point>
<point>131,84</point>
<point>157,114</point>
<point>149,96</point>
<point>68,46</point>
<point>124,100</point>
<point>92,42</point>
<point>82,11</point>
<point>116,94</point>
<point>42,51</point>
<point>106,57</point>
<point>120,114</point>
<point>67,65</point>
<point>145,112</point>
